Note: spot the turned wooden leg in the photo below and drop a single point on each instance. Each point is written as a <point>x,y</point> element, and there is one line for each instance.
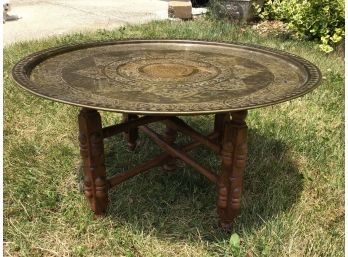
<point>95,186</point>
<point>170,136</point>
<point>219,122</point>
<point>132,134</point>
<point>234,153</point>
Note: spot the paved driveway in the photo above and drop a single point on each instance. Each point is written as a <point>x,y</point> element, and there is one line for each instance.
<point>54,17</point>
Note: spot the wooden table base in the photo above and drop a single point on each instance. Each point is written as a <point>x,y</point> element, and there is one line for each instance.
<point>229,140</point>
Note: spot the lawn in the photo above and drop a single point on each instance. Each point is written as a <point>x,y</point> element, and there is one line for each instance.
<point>293,201</point>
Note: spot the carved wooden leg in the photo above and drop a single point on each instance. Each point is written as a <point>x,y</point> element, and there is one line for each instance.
<point>219,124</point>
<point>234,153</point>
<point>170,136</point>
<point>92,152</point>
<point>132,134</point>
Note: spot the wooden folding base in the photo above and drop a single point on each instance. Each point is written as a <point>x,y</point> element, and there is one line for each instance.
<point>229,140</point>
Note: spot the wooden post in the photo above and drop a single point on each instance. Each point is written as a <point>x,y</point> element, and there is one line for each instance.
<point>92,152</point>
<point>169,137</point>
<point>131,135</point>
<point>234,153</point>
<point>219,122</point>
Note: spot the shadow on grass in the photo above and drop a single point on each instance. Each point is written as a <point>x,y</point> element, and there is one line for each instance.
<point>181,205</point>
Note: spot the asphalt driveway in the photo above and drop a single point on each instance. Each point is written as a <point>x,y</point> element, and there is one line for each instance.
<point>42,18</point>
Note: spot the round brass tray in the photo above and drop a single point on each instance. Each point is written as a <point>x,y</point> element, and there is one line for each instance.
<point>172,77</point>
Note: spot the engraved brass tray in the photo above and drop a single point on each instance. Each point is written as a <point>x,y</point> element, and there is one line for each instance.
<point>172,77</point>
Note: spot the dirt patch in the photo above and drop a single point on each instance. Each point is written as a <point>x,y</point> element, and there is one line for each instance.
<point>275,28</point>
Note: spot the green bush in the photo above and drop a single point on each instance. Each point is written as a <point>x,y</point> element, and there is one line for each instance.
<point>321,20</point>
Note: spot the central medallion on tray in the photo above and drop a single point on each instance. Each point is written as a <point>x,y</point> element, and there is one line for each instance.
<point>163,70</point>
<point>167,70</point>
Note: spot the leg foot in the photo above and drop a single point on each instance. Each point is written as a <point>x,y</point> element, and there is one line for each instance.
<point>225,226</point>
<point>95,186</point>
<point>234,151</point>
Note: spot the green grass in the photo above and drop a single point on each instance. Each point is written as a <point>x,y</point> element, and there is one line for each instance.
<point>293,201</point>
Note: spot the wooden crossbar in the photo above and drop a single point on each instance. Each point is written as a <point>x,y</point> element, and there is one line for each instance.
<point>122,127</point>
<point>119,178</point>
<point>180,125</point>
<point>157,161</point>
<point>177,153</point>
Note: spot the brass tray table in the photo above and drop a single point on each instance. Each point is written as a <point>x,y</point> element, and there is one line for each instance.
<point>157,81</point>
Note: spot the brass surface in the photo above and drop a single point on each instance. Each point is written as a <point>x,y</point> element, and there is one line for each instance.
<point>172,77</point>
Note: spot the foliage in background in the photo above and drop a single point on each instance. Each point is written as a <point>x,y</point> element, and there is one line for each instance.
<point>321,20</point>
